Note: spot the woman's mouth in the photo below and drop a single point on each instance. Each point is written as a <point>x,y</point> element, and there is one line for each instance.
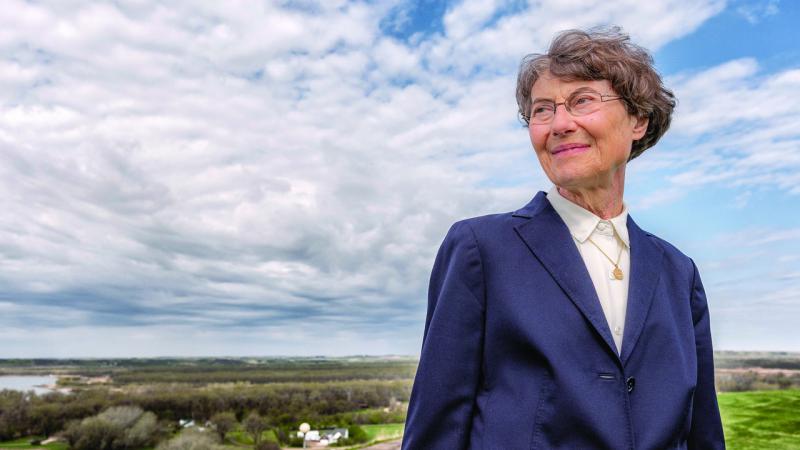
<point>568,149</point>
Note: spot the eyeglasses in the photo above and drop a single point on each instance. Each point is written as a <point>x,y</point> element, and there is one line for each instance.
<point>579,103</point>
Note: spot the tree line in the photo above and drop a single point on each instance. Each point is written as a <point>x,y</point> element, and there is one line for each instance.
<point>281,404</point>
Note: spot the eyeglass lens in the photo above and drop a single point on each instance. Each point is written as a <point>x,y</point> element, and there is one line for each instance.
<point>577,104</point>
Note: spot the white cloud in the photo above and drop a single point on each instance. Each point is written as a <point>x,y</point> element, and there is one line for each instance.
<point>468,17</point>
<point>734,127</point>
<point>499,47</point>
<point>246,168</point>
<point>756,11</point>
<point>396,59</point>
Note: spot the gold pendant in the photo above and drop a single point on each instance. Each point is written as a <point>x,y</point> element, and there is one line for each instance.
<point>617,273</point>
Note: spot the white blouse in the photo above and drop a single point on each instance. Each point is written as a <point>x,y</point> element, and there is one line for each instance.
<point>611,235</point>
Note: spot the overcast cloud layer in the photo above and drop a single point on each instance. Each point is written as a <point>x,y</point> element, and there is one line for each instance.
<point>248,178</point>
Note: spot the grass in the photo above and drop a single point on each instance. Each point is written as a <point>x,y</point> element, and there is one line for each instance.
<point>384,431</point>
<point>761,419</point>
<point>26,443</point>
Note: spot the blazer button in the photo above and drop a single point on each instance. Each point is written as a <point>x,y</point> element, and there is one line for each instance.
<point>630,383</point>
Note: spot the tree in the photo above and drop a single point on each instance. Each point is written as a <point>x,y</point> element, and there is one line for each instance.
<point>14,412</point>
<point>119,427</point>
<point>94,433</point>
<point>124,416</point>
<point>46,418</point>
<point>223,423</point>
<point>190,440</point>
<point>255,426</point>
<point>143,432</point>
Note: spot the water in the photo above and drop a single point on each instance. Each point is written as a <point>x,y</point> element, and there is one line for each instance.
<point>27,383</point>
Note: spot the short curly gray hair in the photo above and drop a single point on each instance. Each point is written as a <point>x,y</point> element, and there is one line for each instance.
<point>604,54</point>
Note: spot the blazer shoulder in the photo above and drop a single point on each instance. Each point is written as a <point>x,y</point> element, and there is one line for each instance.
<point>665,245</point>
<point>671,252</point>
<point>488,226</point>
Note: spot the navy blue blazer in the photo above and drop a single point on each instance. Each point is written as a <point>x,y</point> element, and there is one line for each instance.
<point>517,353</point>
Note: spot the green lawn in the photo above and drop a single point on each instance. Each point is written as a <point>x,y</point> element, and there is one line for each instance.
<point>384,431</point>
<point>761,420</point>
<point>26,443</point>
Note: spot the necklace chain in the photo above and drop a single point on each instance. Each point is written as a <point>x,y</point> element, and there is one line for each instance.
<point>617,272</point>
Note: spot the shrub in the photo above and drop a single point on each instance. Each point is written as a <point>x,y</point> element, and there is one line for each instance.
<point>294,442</point>
<point>267,445</point>
<point>94,433</point>
<point>355,435</point>
<point>117,428</point>
<point>191,440</point>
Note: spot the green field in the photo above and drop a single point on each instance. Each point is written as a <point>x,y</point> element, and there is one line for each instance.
<point>26,443</point>
<point>761,420</point>
<point>384,431</point>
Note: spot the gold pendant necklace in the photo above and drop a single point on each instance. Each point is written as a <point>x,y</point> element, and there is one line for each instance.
<point>616,272</point>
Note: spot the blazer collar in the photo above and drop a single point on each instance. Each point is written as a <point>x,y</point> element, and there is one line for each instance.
<point>549,239</point>
<point>646,267</point>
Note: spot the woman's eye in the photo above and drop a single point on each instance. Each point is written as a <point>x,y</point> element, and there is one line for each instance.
<point>583,99</point>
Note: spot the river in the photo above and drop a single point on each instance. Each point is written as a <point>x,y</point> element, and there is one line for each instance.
<point>26,383</point>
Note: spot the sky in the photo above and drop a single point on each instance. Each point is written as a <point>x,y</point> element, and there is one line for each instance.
<point>274,178</point>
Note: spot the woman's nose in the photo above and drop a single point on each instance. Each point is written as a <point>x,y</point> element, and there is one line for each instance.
<point>563,121</point>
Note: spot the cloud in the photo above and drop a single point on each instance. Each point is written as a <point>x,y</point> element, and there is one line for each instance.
<point>733,128</point>
<point>469,17</point>
<point>752,286</point>
<point>260,175</point>
<point>493,36</point>
<point>755,12</point>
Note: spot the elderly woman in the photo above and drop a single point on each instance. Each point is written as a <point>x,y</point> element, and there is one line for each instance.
<point>563,324</point>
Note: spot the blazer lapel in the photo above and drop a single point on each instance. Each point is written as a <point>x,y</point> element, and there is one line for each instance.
<point>548,237</point>
<point>646,260</point>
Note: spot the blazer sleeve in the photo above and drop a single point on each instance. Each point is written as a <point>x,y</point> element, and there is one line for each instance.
<point>706,432</point>
<point>449,372</point>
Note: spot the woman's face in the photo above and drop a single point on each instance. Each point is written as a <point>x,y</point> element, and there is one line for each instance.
<point>587,151</point>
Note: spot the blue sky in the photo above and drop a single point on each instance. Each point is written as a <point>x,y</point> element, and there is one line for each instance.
<point>274,178</point>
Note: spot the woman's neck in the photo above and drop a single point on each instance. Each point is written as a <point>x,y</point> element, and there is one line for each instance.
<point>602,202</point>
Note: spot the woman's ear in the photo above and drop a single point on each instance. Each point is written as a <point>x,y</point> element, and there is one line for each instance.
<point>640,127</point>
